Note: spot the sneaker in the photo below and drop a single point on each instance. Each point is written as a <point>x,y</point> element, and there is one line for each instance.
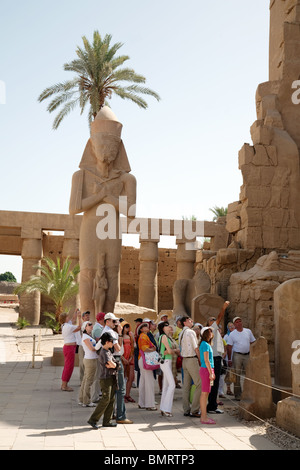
<point>94,425</point>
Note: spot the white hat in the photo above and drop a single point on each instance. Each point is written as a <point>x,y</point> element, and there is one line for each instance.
<point>110,316</point>
<point>84,324</point>
<point>205,328</point>
<point>236,318</point>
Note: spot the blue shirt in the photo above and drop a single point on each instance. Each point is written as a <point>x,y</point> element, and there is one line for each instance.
<point>204,346</point>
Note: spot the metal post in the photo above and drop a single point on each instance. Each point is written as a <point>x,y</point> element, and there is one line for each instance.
<point>33,351</point>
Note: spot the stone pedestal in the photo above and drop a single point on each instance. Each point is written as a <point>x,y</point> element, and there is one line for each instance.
<point>148,258</point>
<point>30,303</point>
<point>185,259</point>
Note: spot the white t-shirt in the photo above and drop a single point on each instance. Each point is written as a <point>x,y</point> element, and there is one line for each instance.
<point>88,354</point>
<point>241,340</point>
<point>68,334</point>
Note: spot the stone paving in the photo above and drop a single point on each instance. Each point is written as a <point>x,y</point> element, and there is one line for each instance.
<point>36,414</point>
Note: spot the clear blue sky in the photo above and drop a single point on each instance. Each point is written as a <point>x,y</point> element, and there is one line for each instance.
<point>204,58</point>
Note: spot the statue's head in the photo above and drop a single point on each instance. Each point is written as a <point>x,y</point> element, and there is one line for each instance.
<point>106,135</point>
<point>105,144</point>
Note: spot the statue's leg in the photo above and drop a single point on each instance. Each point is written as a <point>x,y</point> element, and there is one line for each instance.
<point>112,266</point>
<point>86,284</point>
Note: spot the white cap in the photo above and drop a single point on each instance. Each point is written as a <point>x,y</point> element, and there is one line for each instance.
<point>83,326</point>
<point>236,318</point>
<point>205,328</point>
<point>110,316</point>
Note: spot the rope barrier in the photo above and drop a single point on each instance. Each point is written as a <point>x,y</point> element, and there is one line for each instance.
<point>252,414</point>
<point>260,383</point>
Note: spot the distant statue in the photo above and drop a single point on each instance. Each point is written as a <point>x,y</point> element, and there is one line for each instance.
<point>99,190</point>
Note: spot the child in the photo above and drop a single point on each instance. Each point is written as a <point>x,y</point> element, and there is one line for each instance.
<point>206,371</point>
<point>108,384</point>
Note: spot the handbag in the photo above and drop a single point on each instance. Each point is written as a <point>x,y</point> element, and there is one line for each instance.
<point>151,360</point>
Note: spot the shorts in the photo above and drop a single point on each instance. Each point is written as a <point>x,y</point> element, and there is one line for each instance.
<point>204,374</point>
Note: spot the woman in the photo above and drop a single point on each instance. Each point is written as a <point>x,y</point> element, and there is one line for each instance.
<point>146,384</point>
<point>69,328</point>
<point>90,364</point>
<point>128,359</point>
<point>206,371</point>
<point>167,351</point>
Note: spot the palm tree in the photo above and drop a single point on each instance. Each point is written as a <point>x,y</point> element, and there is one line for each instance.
<point>56,282</point>
<point>98,77</point>
<point>218,212</point>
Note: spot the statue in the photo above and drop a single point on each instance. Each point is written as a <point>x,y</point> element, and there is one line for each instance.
<point>98,188</point>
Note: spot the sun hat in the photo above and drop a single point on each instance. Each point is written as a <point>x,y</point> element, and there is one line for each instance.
<point>141,326</point>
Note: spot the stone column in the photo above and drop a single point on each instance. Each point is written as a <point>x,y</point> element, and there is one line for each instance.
<point>148,274</point>
<point>30,304</point>
<point>71,251</point>
<point>185,258</point>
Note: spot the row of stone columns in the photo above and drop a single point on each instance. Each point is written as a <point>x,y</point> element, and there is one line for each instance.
<point>32,254</point>
<point>148,257</point>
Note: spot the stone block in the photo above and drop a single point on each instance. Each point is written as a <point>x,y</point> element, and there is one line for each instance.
<point>288,415</point>
<point>233,225</point>
<point>246,155</point>
<point>261,134</point>
<point>260,155</point>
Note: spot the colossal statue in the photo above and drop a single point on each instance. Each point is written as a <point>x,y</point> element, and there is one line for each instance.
<point>99,190</point>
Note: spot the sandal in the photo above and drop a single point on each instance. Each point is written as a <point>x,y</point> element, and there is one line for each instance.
<point>208,421</point>
<point>129,399</point>
<point>67,389</point>
<point>153,408</point>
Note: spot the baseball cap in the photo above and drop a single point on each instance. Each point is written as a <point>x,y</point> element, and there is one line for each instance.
<point>205,328</point>
<point>236,318</point>
<point>100,316</point>
<point>84,324</point>
<point>110,316</point>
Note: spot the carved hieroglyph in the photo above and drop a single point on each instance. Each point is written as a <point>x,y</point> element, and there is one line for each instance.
<point>103,178</point>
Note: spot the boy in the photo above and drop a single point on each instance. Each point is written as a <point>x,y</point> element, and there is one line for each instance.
<point>108,384</point>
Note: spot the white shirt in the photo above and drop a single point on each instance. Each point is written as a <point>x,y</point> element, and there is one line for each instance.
<point>115,336</point>
<point>68,334</point>
<point>218,345</point>
<point>88,354</point>
<point>188,342</point>
<point>241,340</point>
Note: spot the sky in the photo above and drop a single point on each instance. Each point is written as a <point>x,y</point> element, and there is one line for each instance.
<point>204,58</point>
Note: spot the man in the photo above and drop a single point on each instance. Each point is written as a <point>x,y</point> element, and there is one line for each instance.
<point>113,327</point>
<point>218,352</point>
<point>98,326</point>
<point>191,365</point>
<point>85,317</point>
<point>239,340</point>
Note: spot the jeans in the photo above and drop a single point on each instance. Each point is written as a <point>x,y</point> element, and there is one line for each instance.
<point>168,390</point>
<point>120,393</point>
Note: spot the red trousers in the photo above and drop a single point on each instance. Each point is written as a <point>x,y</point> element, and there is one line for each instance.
<point>69,355</point>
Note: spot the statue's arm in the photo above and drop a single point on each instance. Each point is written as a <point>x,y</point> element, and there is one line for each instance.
<point>77,203</point>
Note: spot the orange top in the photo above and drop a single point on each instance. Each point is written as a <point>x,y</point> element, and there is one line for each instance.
<point>144,342</point>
